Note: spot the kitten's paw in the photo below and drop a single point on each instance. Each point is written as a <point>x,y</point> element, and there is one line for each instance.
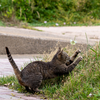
<point>38,91</point>
<point>78,51</point>
<point>80,58</point>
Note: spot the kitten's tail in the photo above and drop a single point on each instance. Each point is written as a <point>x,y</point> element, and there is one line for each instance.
<point>12,62</point>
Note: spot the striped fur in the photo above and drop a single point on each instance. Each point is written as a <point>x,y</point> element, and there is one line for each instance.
<point>32,75</point>
<point>15,67</point>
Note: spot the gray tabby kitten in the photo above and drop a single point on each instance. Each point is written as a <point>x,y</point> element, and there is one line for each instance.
<point>32,75</point>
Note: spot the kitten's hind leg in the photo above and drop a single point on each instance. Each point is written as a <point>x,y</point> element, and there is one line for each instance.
<point>33,81</point>
<point>35,87</point>
<point>37,90</point>
<point>36,82</point>
<point>27,89</point>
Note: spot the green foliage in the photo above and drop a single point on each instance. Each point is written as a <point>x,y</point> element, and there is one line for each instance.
<point>60,11</point>
<point>5,8</point>
<point>6,80</point>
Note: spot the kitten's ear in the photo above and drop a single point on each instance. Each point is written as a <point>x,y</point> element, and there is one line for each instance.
<point>59,50</point>
<point>60,54</point>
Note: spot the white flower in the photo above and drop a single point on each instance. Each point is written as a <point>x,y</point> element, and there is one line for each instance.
<point>0,5</point>
<point>74,22</point>
<point>45,22</point>
<point>73,42</point>
<point>64,23</point>
<point>57,24</point>
<point>12,84</point>
<point>90,95</point>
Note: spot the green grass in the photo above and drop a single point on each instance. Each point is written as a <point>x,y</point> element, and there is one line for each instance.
<point>12,83</point>
<point>2,23</point>
<point>32,26</point>
<point>39,24</point>
<point>24,25</point>
<point>84,80</point>
<point>48,24</point>
<point>28,26</point>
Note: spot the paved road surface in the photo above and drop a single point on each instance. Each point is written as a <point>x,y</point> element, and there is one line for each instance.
<point>77,32</point>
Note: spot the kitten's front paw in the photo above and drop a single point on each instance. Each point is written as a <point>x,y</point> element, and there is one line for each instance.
<point>80,58</point>
<point>78,51</point>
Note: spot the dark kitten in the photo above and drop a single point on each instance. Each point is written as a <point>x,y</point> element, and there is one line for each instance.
<point>32,75</point>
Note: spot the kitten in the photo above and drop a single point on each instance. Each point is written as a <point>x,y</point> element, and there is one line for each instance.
<point>32,75</point>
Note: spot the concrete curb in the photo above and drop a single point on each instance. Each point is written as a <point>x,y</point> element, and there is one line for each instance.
<point>22,45</point>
